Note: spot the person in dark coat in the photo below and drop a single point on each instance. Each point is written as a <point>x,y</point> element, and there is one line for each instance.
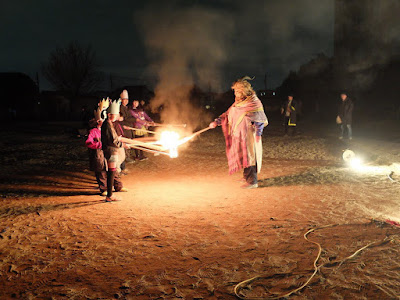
<point>97,162</point>
<point>126,119</point>
<point>345,116</point>
<point>288,110</point>
<point>113,148</point>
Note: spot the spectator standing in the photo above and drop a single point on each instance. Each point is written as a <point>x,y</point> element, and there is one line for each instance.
<point>289,112</point>
<point>345,116</point>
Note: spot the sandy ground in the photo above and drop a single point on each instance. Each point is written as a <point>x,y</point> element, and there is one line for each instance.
<point>185,229</point>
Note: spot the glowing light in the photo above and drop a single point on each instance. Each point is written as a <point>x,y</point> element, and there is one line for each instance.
<point>348,155</point>
<point>170,141</point>
<point>356,163</point>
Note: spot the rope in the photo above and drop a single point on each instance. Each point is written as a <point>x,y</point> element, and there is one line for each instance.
<point>390,176</point>
<point>244,283</point>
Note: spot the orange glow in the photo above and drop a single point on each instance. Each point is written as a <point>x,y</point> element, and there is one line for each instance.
<point>170,141</point>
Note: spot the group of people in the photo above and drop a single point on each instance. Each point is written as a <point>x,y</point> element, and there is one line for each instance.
<point>242,125</point>
<point>345,116</point>
<point>343,119</point>
<point>107,152</point>
<point>133,116</point>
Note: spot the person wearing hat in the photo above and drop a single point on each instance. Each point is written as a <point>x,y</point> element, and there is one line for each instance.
<point>125,116</point>
<point>242,125</point>
<point>288,110</point>
<point>345,115</point>
<point>97,161</point>
<point>93,143</point>
<point>126,119</point>
<point>113,148</point>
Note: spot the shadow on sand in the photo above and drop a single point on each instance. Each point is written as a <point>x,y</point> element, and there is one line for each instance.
<point>41,208</point>
<point>53,183</point>
<point>316,176</point>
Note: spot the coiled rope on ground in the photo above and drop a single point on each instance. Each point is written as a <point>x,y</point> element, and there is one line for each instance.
<point>245,283</point>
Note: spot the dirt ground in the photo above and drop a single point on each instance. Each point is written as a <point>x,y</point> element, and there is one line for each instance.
<point>185,229</point>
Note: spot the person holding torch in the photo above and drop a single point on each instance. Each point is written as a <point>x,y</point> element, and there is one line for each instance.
<point>142,123</point>
<point>242,125</point>
<point>113,148</point>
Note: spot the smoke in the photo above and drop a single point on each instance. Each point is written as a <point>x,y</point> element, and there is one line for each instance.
<point>279,36</point>
<point>216,42</point>
<point>186,46</point>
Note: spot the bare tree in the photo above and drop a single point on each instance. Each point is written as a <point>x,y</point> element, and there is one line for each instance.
<point>73,69</point>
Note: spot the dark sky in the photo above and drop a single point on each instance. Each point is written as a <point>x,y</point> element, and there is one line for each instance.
<point>212,42</point>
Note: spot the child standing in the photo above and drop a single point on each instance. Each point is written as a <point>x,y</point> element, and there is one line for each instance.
<point>113,150</point>
<point>97,161</point>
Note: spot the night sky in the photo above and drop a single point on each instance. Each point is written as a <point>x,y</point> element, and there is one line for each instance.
<point>215,42</point>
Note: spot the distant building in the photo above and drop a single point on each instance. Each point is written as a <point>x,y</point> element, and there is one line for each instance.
<point>19,95</point>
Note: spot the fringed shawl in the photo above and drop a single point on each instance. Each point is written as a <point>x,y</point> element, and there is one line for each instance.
<point>237,127</point>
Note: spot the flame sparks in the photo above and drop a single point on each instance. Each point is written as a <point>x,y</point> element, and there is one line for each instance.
<point>170,141</point>
<point>167,144</point>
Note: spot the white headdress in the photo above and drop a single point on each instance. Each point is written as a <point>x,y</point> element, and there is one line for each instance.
<point>114,107</point>
<point>124,95</point>
<point>101,112</point>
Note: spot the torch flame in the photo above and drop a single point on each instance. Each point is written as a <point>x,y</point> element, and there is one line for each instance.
<point>170,141</point>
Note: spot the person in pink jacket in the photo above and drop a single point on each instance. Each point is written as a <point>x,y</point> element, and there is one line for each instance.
<point>97,162</point>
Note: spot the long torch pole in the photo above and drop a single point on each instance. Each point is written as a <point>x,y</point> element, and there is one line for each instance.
<point>169,125</point>
<point>186,139</point>
<point>201,131</point>
<point>136,129</point>
<point>149,150</point>
<point>134,142</point>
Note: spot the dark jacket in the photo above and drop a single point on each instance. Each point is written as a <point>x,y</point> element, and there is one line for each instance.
<point>292,111</point>
<point>97,161</point>
<point>346,111</point>
<point>129,120</point>
<point>109,139</point>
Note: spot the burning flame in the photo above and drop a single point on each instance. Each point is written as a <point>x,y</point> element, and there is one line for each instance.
<point>170,141</point>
